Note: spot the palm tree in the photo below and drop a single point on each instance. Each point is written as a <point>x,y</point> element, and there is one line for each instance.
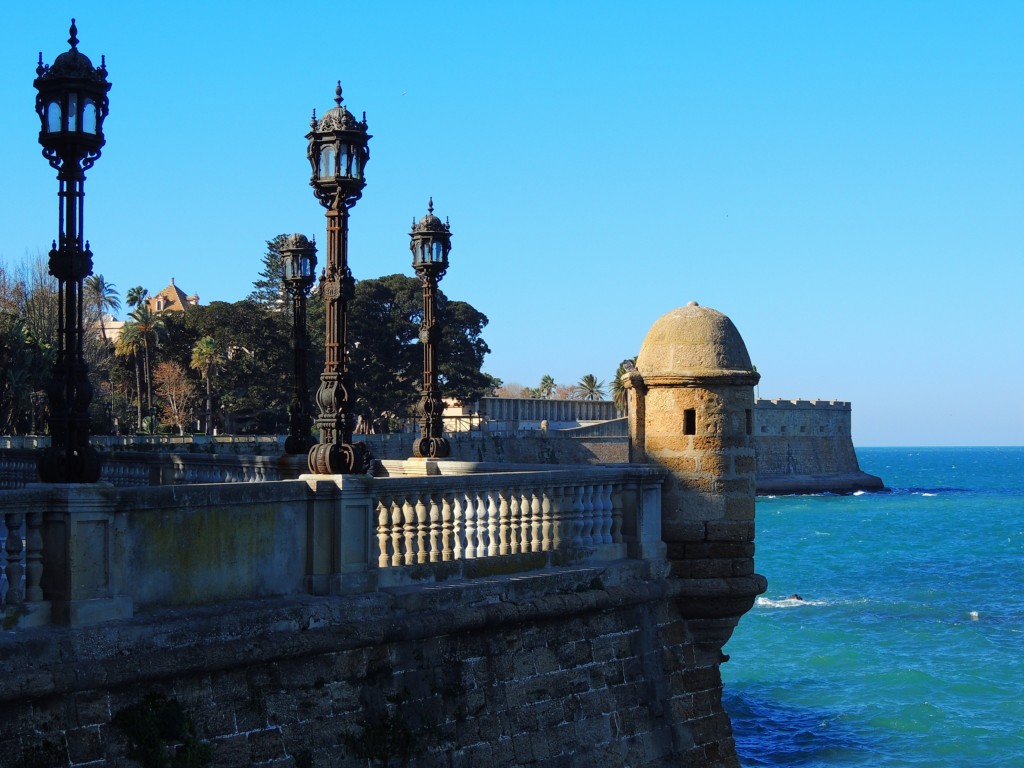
<point>102,297</point>
<point>151,327</point>
<point>619,391</point>
<point>136,296</point>
<point>129,344</point>
<point>590,388</point>
<point>205,357</point>
<point>546,387</point>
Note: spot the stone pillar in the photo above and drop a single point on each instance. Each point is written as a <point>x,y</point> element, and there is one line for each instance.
<point>341,537</point>
<point>82,542</point>
<point>694,389</point>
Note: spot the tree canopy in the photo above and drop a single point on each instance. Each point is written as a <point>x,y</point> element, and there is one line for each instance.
<point>238,354</point>
<point>386,359</point>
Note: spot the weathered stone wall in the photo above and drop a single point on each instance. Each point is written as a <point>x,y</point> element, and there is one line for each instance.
<point>531,447</point>
<point>806,445</point>
<point>569,668</point>
<point>708,499</point>
<point>512,413</point>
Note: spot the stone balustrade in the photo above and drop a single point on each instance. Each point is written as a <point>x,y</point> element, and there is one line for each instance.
<point>424,520</point>
<point>77,554</point>
<point>131,469</point>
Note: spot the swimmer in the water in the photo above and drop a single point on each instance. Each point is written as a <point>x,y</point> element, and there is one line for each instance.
<point>795,596</point>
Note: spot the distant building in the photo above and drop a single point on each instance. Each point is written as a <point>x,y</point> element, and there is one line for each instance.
<point>170,299</point>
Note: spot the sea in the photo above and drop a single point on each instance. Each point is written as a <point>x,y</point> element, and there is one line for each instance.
<point>892,631</point>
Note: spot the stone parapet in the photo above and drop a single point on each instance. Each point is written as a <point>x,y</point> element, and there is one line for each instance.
<point>96,552</point>
<point>596,666</point>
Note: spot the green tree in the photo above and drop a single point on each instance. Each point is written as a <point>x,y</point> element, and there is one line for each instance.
<point>384,356</point>
<point>136,296</point>
<point>102,297</point>
<point>150,327</point>
<point>387,360</point>
<point>589,388</point>
<point>28,336</point>
<point>547,386</point>
<point>268,289</point>
<point>619,391</point>
<point>463,351</point>
<point>15,372</point>
<point>255,360</point>
<point>129,345</point>
<point>205,357</point>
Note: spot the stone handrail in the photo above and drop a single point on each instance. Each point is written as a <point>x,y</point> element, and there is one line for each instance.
<point>423,520</point>
<point>132,469</point>
<point>77,554</point>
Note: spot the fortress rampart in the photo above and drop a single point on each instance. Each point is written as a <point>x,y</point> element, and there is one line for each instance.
<point>806,446</point>
<point>801,446</point>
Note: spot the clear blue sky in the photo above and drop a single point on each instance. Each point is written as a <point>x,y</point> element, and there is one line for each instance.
<point>845,180</point>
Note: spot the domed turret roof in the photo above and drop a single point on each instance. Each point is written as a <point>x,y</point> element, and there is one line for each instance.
<point>72,64</point>
<point>693,342</point>
<point>338,118</point>
<point>297,242</point>
<point>430,222</point>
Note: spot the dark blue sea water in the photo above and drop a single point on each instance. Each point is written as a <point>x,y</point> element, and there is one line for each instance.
<point>908,646</point>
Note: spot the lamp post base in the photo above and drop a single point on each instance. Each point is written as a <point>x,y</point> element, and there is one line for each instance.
<point>63,465</point>
<point>433,447</point>
<point>297,445</point>
<point>339,459</point>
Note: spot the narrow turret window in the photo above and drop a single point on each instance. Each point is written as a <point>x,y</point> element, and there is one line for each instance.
<point>750,422</point>
<point>690,422</point>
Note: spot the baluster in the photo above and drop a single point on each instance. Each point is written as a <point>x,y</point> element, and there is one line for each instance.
<point>525,519</point>
<point>383,530</point>
<point>616,501</point>
<point>522,519</point>
<point>483,527</point>
<point>451,547</point>
<point>33,557</point>
<point>409,528</point>
<point>606,507</point>
<point>14,568</point>
<point>527,516</point>
<point>587,531</point>
<point>547,519</point>
<point>423,526</point>
<point>435,529</point>
<point>503,523</point>
<point>397,531</point>
<point>469,524</point>
<point>515,517</point>
<point>574,498</point>
<point>535,522</point>
<point>559,535</point>
<point>492,524</point>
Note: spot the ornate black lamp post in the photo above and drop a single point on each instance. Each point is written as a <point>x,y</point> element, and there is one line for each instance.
<point>338,153</point>
<point>72,104</point>
<point>298,258</point>
<point>431,242</point>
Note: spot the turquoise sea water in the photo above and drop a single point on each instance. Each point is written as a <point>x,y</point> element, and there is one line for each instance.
<point>908,646</point>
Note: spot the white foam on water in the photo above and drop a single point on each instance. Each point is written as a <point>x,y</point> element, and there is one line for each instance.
<point>787,602</point>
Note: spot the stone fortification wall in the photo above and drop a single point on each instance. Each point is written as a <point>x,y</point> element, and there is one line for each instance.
<point>806,446</point>
<point>512,413</point>
<point>581,668</point>
<point>801,446</point>
<point>527,447</point>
